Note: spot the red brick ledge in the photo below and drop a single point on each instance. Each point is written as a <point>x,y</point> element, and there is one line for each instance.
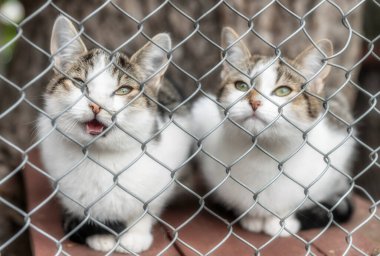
<point>203,233</point>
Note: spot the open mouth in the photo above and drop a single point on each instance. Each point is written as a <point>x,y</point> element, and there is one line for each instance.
<point>94,127</point>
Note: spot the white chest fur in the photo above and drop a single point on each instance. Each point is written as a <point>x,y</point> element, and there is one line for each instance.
<point>114,184</point>
<point>274,178</point>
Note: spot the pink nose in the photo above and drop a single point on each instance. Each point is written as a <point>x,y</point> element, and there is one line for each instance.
<point>95,108</point>
<point>255,104</point>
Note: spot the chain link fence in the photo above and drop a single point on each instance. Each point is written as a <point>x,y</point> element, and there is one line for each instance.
<point>273,28</point>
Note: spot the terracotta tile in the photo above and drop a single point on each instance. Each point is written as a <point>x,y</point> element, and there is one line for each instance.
<point>48,219</point>
<point>366,238</point>
<point>205,233</point>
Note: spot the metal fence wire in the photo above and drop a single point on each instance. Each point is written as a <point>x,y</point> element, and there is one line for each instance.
<point>183,70</point>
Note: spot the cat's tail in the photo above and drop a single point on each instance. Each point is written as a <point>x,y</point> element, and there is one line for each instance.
<point>317,216</point>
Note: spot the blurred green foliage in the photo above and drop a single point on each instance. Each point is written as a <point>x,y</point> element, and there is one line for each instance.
<point>7,33</point>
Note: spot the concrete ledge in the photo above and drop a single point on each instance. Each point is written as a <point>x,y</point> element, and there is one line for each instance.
<point>204,233</point>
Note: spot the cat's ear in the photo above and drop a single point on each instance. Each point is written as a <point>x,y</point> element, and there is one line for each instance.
<point>65,43</point>
<point>152,57</point>
<point>312,61</point>
<point>237,51</point>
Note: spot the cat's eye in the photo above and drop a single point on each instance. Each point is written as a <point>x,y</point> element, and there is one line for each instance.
<point>80,80</point>
<point>80,83</point>
<point>123,90</point>
<point>282,91</point>
<point>241,86</point>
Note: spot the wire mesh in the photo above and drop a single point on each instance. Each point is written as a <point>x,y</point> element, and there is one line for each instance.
<point>200,83</point>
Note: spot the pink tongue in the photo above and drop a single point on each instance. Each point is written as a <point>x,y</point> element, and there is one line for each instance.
<point>94,127</point>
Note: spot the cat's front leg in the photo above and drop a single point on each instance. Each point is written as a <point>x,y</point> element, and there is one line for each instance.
<point>252,223</point>
<point>103,243</point>
<point>272,226</point>
<point>139,238</point>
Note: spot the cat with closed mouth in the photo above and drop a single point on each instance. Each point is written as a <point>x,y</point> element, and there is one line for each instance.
<point>107,139</point>
<point>271,150</point>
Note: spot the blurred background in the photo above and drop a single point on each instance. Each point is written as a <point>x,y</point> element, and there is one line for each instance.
<point>25,28</point>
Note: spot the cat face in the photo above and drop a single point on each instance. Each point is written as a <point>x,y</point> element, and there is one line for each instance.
<point>275,93</point>
<point>94,95</point>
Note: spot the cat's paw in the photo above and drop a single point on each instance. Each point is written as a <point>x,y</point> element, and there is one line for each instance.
<point>104,243</point>
<point>135,242</point>
<point>272,226</point>
<point>253,224</point>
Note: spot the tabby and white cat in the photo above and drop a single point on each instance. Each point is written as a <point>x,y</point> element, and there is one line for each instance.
<point>100,143</point>
<point>276,151</point>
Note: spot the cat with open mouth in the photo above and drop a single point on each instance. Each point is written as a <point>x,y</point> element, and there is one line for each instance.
<point>111,149</point>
